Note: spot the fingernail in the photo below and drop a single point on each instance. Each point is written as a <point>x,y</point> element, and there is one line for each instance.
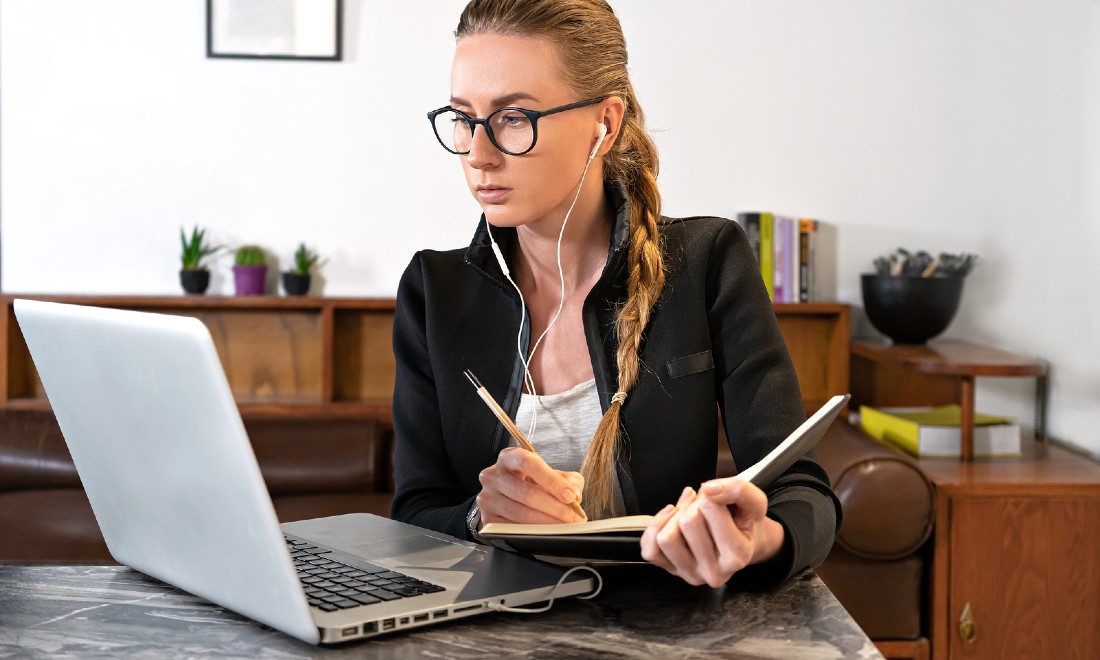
<point>712,488</point>
<point>668,509</point>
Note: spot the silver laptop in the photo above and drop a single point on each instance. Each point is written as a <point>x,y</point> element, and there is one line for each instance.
<point>159,445</point>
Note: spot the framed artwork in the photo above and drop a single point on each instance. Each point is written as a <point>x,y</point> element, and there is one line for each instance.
<point>274,29</point>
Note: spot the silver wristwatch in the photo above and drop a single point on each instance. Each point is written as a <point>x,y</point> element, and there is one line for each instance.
<point>473,518</point>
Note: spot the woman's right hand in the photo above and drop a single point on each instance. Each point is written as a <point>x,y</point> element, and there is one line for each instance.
<point>522,488</point>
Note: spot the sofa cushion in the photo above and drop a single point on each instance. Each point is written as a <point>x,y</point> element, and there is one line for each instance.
<point>33,453</point>
<point>885,597</point>
<point>50,526</point>
<point>302,507</point>
<point>318,456</point>
<point>888,502</point>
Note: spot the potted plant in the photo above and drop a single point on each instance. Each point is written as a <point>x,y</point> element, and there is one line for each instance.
<point>296,280</point>
<point>194,278</point>
<point>249,270</point>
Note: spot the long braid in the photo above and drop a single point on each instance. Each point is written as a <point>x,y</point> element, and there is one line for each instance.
<point>593,54</point>
<point>637,169</point>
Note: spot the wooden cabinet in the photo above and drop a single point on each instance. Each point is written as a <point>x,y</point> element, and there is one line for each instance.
<point>1015,556</point>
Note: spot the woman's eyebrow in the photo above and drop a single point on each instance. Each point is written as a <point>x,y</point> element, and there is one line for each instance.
<point>500,101</point>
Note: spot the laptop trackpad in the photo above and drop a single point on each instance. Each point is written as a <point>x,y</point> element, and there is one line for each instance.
<point>415,550</point>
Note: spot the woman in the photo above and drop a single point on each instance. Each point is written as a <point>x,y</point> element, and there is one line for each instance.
<point>649,324</point>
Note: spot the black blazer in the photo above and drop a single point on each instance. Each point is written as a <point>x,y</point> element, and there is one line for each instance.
<point>713,340</point>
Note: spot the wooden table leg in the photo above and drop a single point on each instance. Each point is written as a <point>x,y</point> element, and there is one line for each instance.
<point>966,391</point>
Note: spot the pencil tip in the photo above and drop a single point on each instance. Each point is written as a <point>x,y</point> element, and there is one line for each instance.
<point>472,378</point>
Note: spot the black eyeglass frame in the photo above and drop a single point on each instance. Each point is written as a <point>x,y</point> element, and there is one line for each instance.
<point>532,115</point>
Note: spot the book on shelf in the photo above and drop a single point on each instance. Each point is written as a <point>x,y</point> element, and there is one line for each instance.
<point>750,222</point>
<point>617,540</point>
<point>932,432</point>
<point>767,252</point>
<point>796,256</point>
<point>807,251</point>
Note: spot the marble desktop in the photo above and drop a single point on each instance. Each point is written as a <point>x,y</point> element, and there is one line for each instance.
<point>110,611</point>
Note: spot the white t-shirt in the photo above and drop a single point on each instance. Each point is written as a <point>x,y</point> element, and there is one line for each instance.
<point>564,427</point>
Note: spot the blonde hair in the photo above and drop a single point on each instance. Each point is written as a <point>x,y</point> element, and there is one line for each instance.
<point>593,60</point>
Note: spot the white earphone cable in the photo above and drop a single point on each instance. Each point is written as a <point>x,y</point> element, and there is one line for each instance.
<point>561,300</point>
<point>501,607</point>
<point>529,380</point>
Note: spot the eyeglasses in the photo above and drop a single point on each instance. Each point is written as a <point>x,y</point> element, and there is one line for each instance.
<point>512,130</point>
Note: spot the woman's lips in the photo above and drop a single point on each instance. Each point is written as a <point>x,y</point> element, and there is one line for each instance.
<point>492,194</point>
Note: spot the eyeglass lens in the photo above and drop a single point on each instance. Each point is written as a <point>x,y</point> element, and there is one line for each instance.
<point>512,131</point>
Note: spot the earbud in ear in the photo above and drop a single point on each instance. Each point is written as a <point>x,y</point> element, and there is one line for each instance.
<point>603,133</point>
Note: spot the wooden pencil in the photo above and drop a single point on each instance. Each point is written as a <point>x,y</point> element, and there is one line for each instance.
<point>510,426</point>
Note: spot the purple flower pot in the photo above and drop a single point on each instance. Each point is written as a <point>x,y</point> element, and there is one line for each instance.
<point>249,280</point>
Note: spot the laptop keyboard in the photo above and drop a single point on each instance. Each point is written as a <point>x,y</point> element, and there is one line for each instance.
<point>330,585</point>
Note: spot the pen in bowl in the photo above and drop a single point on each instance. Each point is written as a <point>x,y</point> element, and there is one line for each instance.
<point>509,425</point>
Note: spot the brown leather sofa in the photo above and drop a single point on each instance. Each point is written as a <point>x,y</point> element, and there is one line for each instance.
<point>311,468</point>
<point>878,568</point>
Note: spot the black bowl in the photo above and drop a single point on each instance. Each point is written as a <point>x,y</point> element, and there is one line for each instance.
<point>911,310</point>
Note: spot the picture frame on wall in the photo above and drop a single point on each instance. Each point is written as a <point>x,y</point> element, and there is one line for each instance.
<point>274,29</point>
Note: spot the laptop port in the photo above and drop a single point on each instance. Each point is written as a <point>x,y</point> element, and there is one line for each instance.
<point>387,624</point>
<point>468,608</point>
<point>420,617</point>
<point>404,620</point>
<point>441,614</point>
<point>371,627</point>
<point>348,632</point>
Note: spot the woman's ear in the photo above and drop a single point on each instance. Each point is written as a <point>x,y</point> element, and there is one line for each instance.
<point>610,113</point>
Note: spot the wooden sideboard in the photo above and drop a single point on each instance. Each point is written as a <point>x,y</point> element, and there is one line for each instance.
<point>329,358</point>
<point>1016,556</point>
<point>1015,566</point>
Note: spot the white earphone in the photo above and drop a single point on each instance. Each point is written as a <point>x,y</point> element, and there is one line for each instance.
<point>530,382</point>
<point>603,133</point>
<point>602,130</point>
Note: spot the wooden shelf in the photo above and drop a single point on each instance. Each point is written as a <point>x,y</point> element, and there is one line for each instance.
<point>321,358</point>
<point>817,336</point>
<point>937,369</point>
<point>950,358</point>
<point>307,357</point>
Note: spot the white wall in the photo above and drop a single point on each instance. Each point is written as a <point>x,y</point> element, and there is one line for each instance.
<point>941,124</point>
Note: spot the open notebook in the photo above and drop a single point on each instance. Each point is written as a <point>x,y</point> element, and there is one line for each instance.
<point>618,539</point>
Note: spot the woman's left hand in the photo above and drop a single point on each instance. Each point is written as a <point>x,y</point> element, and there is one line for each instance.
<point>708,536</point>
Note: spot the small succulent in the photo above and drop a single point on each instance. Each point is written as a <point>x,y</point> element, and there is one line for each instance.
<point>250,255</point>
<point>195,249</point>
<point>304,259</point>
